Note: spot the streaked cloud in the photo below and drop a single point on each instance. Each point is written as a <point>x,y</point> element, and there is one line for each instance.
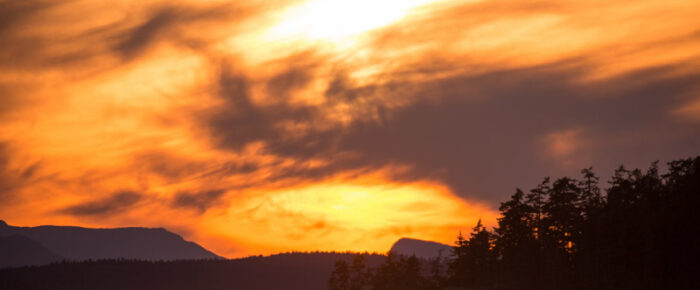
<point>119,201</point>
<point>689,111</point>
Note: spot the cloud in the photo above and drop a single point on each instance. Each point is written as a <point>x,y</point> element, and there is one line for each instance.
<point>13,177</point>
<point>569,147</point>
<point>168,165</point>
<point>174,23</point>
<point>140,37</point>
<point>118,201</point>
<point>325,215</point>
<point>197,200</point>
<point>689,111</point>
<point>50,34</point>
<point>239,121</point>
<point>17,16</point>
<point>7,182</point>
<point>283,84</point>
<point>483,129</point>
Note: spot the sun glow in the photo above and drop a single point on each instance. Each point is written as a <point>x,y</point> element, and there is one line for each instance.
<point>358,215</point>
<point>336,19</point>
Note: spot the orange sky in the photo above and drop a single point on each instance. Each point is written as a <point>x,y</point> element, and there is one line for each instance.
<point>255,127</point>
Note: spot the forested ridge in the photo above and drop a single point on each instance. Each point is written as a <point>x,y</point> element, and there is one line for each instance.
<point>639,233</point>
<point>302,271</point>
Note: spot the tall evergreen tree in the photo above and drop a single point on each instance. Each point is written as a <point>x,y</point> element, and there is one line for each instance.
<point>474,264</point>
<point>562,215</point>
<point>591,197</point>
<point>516,244</point>
<point>536,200</point>
<point>340,277</point>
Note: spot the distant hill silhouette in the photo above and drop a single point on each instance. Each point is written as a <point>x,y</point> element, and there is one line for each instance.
<point>420,248</point>
<point>291,271</point>
<point>77,243</point>
<point>18,251</point>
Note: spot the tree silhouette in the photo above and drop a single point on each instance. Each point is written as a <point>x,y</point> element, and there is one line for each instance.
<point>516,242</point>
<point>569,234</point>
<point>474,262</point>
<point>340,277</point>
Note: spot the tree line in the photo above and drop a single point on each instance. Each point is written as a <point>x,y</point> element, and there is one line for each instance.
<point>293,271</point>
<point>639,233</point>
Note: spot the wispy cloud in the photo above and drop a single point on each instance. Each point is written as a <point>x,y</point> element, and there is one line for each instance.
<point>119,201</point>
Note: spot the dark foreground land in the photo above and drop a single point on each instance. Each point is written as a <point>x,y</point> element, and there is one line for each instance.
<point>303,271</point>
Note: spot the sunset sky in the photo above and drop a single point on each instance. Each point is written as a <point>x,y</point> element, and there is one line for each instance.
<point>257,127</point>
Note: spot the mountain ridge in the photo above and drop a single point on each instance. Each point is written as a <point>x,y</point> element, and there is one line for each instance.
<point>17,251</point>
<point>420,248</point>
<point>80,243</point>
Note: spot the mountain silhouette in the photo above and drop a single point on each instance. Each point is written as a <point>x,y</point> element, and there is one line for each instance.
<point>420,248</point>
<point>18,251</point>
<point>77,243</point>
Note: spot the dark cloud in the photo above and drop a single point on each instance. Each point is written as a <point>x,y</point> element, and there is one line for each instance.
<point>235,168</point>
<point>281,85</point>
<point>12,178</point>
<point>486,145</point>
<point>166,23</point>
<point>483,137</point>
<point>128,37</point>
<point>168,165</point>
<point>140,37</point>
<point>239,122</point>
<point>15,17</point>
<point>118,201</point>
<point>7,182</point>
<point>200,201</point>
<point>19,50</point>
<point>17,12</point>
<point>24,48</point>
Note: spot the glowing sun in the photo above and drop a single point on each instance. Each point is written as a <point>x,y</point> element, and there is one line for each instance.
<point>335,19</point>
